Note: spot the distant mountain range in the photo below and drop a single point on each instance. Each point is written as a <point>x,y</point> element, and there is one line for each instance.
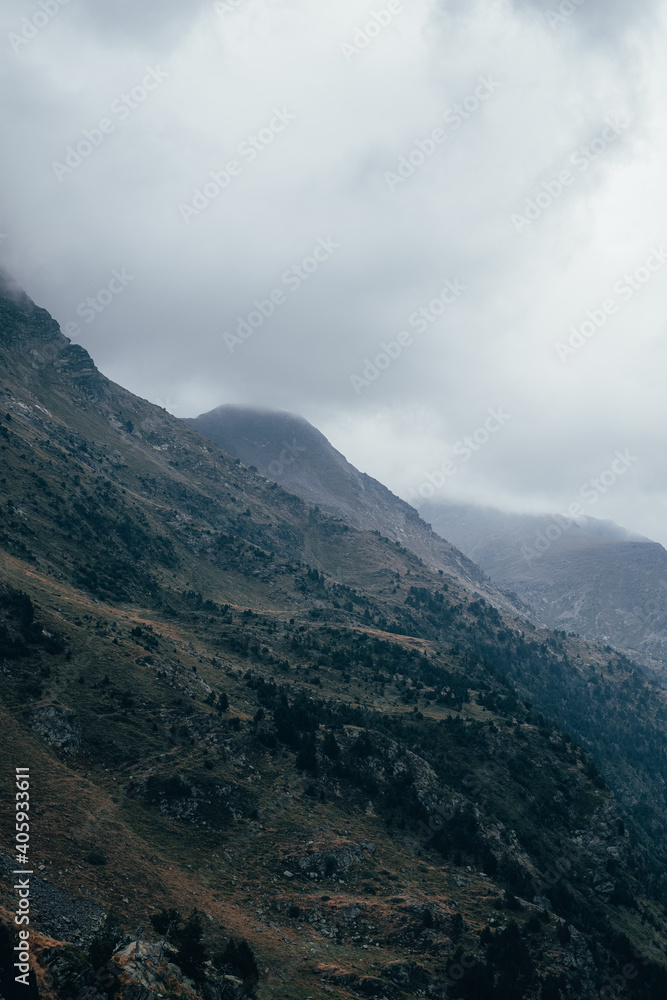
<point>588,576</point>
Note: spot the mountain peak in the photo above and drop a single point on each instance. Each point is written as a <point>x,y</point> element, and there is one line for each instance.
<point>35,339</point>
<point>23,323</point>
<point>287,449</point>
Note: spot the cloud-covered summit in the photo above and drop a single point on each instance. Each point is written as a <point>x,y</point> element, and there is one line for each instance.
<point>569,137</point>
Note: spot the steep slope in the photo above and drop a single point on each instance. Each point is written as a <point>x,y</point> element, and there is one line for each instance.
<point>590,577</point>
<point>287,449</point>
<point>231,701</point>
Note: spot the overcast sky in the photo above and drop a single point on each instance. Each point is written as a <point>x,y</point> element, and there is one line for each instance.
<point>562,107</point>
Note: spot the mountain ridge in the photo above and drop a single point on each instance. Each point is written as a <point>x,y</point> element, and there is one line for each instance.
<point>288,449</point>
<point>588,577</point>
<point>359,771</point>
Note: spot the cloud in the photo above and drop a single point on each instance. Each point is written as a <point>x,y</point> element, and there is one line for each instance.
<point>549,99</point>
<point>597,22</point>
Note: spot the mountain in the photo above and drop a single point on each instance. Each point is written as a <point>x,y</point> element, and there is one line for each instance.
<point>287,449</point>
<point>586,576</point>
<point>274,754</point>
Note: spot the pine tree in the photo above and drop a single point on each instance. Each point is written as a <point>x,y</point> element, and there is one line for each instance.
<point>192,956</point>
<point>330,746</point>
<point>306,758</point>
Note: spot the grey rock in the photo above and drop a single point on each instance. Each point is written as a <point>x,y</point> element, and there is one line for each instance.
<point>59,727</point>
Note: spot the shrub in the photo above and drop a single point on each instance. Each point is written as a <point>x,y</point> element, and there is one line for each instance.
<point>489,861</point>
<point>509,954</point>
<point>170,789</point>
<point>161,920</point>
<point>563,934</point>
<point>238,956</point>
<point>551,988</point>
<point>191,956</point>
<point>306,758</point>
<point>105,942</point>
<point>330,746</point>
<point>330,865</point>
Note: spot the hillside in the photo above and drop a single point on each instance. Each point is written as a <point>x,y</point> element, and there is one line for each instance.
<point>594,578</point>
<point>354,768</point>
<point>289,450</point>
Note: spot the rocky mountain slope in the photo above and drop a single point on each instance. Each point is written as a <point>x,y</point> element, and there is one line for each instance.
<point>289,450</point>
<point>588,576</point>
<point>274,754</point>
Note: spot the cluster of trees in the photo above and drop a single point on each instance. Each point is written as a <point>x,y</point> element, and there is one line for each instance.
<point>20,632</point>
<point>186,936</point>
<point>592,707</point>
<point>183,943</point>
